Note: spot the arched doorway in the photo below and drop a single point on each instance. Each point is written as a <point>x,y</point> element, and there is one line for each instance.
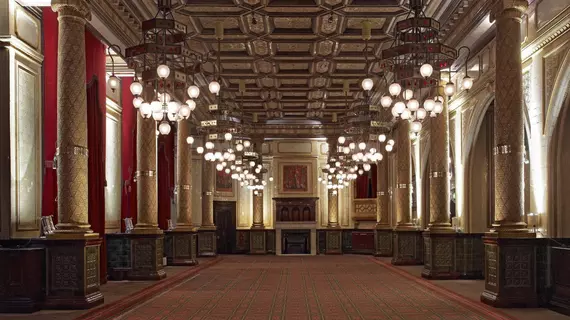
<point>559,172</point>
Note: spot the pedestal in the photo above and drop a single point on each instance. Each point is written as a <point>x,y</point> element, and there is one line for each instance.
<point>439,256</point>
<point>73,273</point>
<point>22,279</point>
<point>383,242</point>
<point>147,253</point>
<point>180,248</point>
<point>207,246</point>
<point>408,247</point>
<point>510,272</point>
<point>334,241</point>
<point>257,241</point>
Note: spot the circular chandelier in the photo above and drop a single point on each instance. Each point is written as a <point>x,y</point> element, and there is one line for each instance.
<point>162,60</point>
<point>415,61</point>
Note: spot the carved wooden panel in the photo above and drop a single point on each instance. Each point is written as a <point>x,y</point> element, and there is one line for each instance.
<point>295,209</point>
<point>364,209</point>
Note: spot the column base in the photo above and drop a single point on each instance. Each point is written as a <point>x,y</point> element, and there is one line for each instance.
<point>147,252</point>
<point>408,247</point>
<point>383,243</point>
<point>439,256</point>
<point>510,271</point>
<point>180,248</point>
<point>207,244</point>
<point>257,241</point>
<point>73,274</point>
<point>334,241</point>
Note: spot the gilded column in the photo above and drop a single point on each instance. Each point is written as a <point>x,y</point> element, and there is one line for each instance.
<point>383,232</point>
<point>258,210</point>
<point>72,153</point>
<point>207,195</point>
<point>403,177</point>
<point>439,175</point>
<point>184,179</point>
<point>510,266</point>
<point>147,205</point>
<point>333,205</point>
<point>509,124</point>
<point>407,246</point>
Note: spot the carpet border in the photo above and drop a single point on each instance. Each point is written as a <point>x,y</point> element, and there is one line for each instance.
<point>473,305</point>
<point>128,302</point>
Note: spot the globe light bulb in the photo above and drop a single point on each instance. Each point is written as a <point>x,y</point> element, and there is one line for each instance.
<point>421,113</point>
<point>164,128</point>
<point>270,179</point>
<point>389,147</point>
<point>239,147</point>
<point>400,107</point>
<point>136,88</point>
<point>247,143</point>
<point>406,114</point>
<point>145,110</point>
<point>429,104</point>
<point>191,104</point>
<point>228,136</point>
<point>391,142</point>
<point>219,167</point>
<point>352,146</point>
<point>416,126</point>
<point>426,70</point>
<point>156,106</point>
<point>438,107</point>
<point>193,92</point>
<point>366,167</point>
<point>433,114</point>
<point>382,138</point>
<point>346,150</point>
<point>200,150</point>
<point>184,112</point>
<point>341,140</point>
<point>209,145</point>
<point>173,107</point>
<point>214,87</point>
<point>360,172</point>
<point>413,105</point>
<point>395,89</point>
<point>172,116</point>
<point>137,102</point>
<point>362,146</point>
<point>252,163</point>
<point>367,84</point>
<point>189,140</point>
<point>467,83</point>
<point>449,89</point>
<point>386,101</point>
<point>113,82</point>
<point>163,71</point>
<point>158,116</point>
<point>408,94</point>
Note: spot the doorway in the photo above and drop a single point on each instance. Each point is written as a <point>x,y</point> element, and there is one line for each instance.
<point>225,221</point>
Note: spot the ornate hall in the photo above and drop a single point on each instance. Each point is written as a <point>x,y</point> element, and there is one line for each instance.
<point>284,159</point>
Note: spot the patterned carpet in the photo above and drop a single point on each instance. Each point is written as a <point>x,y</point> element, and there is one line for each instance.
<point>321,287</point>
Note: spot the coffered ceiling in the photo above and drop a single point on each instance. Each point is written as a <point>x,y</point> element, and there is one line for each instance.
<point>292,54</point>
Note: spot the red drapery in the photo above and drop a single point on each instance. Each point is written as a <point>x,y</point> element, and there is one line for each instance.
<point>128,154</point>
<point>50,30</point>
<point>96,127</point>
<point>165,178</point>
<point>365,185</point>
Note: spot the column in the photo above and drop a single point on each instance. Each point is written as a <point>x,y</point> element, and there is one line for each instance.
<point>332,196</point>
<point>439,238</point>
<point>407,239</point>
<point>73,240</point>
<point>509,284</point>
<point>181,242</point>
<point>72,150</point>
<point>383,232</point>
<point>334,232</point>
<point>257,240</point>
<point>207,233</point>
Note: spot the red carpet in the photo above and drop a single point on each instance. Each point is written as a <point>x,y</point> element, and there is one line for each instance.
<point>322,287</point>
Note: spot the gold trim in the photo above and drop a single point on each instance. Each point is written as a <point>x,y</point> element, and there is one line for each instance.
<point>402,186</point>
<point>184,187</point>
<point>503,149</point>
<point>439,174</point>
<point>74,150</point>
<point>149,173</point>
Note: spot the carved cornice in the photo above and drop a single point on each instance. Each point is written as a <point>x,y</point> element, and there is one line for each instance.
<point>555,29</point>
<point>124,25</point>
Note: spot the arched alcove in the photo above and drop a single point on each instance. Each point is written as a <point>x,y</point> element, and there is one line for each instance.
<point>559,173</point>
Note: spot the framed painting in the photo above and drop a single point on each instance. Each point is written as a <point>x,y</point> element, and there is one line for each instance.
<point>295,178</point>
<point>224,182</point>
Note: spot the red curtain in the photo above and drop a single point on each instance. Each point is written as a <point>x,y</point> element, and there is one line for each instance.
<point>365,185</point>
<point>165,177</point>
<point>96,127</point>
<point>128,154</point>
<point>50,27</point>
<point>361,185</point>
<point>373,180</point>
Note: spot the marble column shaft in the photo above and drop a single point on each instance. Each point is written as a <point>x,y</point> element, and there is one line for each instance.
<point>403,176</point>
<point>509,125</point>
<point>72,153</point>
<point>257,209</point>
<point>333,205</point>
<point>439,175</point>
<point>207,194</point>
<point>147,199</point>
<point>184,179</point>
<point>382,196</point>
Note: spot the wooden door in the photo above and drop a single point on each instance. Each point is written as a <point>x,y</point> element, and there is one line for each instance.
<point>225,221</point>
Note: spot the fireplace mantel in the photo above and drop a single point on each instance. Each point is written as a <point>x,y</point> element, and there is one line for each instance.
<point>296,210</point>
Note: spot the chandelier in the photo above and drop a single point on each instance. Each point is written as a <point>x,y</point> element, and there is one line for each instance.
<point>415,61</point>
<point>162,60</point>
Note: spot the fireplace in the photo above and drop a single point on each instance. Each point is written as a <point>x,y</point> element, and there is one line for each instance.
<point>296,242</point>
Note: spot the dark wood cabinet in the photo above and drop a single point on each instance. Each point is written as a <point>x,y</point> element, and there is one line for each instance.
<point>22,279</point>
<point>363,241</point>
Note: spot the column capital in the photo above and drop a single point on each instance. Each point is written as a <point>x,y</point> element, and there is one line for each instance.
<point>72,8</point>
<point>508,9</point>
